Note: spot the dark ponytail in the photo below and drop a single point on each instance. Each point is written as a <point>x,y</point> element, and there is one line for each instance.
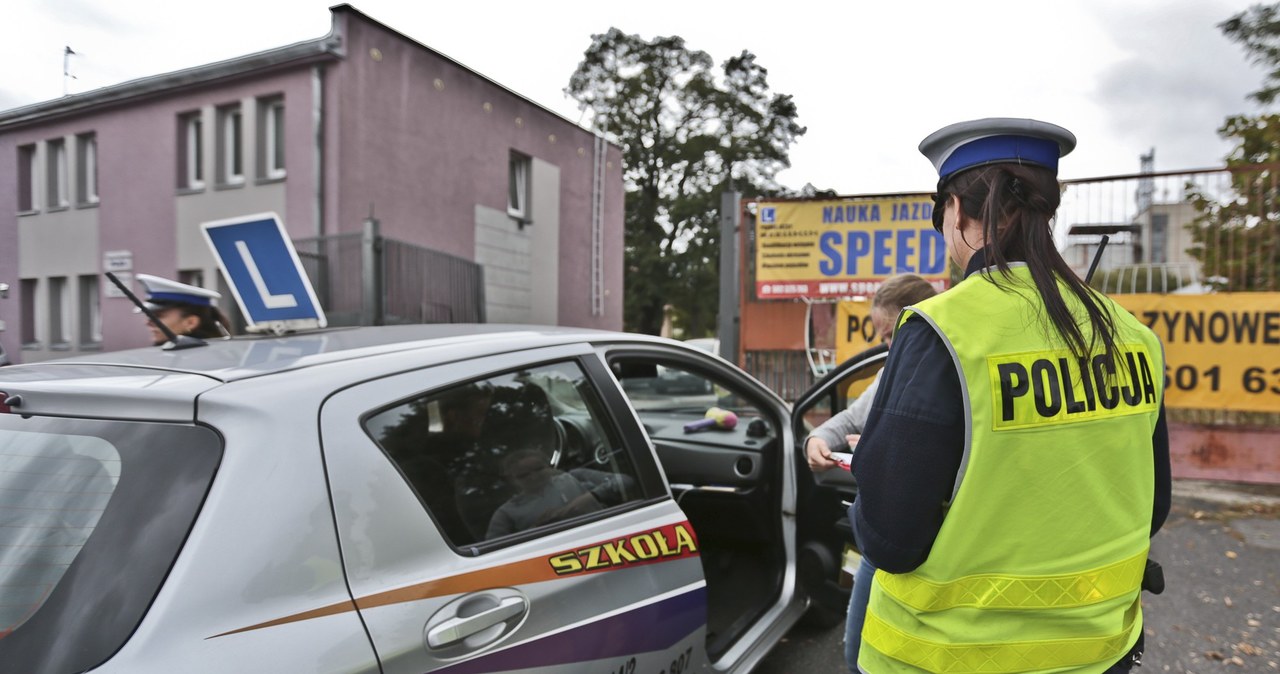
<point>213,324</point>
<point>1014,203</point>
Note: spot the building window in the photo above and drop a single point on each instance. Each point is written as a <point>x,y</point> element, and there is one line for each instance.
<point>191,277</point>
<point>518,189</point>
<point>90,312</point>
<point>59,312</point>
<point>59,195</point>
<point>87,168</point>
<point>191,151</point>
<point>271,138</point>
<point>30,339</point>
<point>1159,237</point>
<point>27,178</point>
<point>230,146</point>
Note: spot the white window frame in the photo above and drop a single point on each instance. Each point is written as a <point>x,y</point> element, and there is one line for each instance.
<point>518,188</point>
<point>87,143</point>
<point>231,145</point>
<point>193,162</point>
<point>273,138</point>
<point>59,192</point>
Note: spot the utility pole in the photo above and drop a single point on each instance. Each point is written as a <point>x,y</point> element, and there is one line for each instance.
<point>727,321</point>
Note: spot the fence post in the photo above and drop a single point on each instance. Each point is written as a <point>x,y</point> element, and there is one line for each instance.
<point>371,273</point>
<point>727,320</point>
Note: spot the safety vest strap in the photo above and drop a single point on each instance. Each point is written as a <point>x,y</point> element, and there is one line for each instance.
<point>1018,592</point>
<point>996,658</point>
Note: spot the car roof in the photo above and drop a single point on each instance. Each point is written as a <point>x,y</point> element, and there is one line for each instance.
<point>227,360</point>
<point>159,384</point>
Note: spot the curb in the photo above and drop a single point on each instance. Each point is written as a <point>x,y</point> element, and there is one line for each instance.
<point>1227,493</point>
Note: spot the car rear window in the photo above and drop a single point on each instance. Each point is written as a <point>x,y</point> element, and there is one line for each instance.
<point>92,515</point>
<point>53,489</point>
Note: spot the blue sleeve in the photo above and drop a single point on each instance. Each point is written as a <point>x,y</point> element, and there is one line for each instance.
<point>907,459</point>
<point>1164,477</point>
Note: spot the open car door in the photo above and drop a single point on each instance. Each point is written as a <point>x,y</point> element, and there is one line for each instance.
<point>734,484</point>
<point>826,559</point>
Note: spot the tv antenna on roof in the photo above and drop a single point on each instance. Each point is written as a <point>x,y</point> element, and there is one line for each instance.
<point>67,53</point>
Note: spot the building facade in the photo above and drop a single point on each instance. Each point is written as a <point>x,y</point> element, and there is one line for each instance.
<point>325,133</point>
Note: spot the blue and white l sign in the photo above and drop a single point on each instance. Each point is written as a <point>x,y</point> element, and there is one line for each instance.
<point>259,262</point>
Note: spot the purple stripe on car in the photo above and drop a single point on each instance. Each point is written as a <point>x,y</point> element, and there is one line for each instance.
<point>654,627</point>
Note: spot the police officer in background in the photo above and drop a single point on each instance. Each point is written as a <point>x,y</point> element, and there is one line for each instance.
<point>185,309</point>
<point>1016,458</point>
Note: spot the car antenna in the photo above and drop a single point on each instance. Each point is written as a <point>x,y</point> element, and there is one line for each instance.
<point>175,341</point>
<point>1097,257</point>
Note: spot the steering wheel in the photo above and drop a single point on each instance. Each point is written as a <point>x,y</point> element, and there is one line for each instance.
<point>559,442</point>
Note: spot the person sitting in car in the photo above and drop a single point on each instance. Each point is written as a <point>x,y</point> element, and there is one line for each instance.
<point>546,494</point>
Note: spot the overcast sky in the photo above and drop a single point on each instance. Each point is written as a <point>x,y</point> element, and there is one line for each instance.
<point>870,79</point>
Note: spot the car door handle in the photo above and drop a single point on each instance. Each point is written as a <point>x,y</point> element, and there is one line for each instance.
<point>458,628</point>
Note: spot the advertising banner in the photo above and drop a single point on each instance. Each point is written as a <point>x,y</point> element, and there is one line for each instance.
<point>843,248</point>
<point>1222,351</point>
<point>854,332</point>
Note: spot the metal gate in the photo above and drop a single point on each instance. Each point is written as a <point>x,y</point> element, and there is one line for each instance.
<point>1171,231</point>
<point>362,278</point>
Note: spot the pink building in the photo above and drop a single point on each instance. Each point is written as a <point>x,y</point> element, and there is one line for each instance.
<point>322,133</point>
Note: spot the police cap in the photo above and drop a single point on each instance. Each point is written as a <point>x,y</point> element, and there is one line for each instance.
<point>995,140</point>
<point>161,292</point>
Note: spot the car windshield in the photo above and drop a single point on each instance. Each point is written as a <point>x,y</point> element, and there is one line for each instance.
<point>92,515</point>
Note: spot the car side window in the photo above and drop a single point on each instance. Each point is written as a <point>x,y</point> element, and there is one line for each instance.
<point>671,386</point>
<point>510,453</point>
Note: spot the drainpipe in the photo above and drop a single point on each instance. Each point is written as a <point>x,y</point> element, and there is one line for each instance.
<point>317,149</point>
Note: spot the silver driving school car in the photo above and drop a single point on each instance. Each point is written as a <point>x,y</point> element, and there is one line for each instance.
<point>405,499</point>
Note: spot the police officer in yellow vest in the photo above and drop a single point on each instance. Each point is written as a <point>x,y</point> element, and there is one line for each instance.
<point>1015,462</point>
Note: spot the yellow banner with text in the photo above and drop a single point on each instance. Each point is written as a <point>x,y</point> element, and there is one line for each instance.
<point>1222,351</point>
<point>844,248</point>
<point>854,331</point>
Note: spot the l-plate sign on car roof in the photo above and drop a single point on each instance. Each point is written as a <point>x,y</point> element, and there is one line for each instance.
<point>259,261</point>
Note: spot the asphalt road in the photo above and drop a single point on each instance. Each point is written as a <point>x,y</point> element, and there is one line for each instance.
<point>1220,611</point>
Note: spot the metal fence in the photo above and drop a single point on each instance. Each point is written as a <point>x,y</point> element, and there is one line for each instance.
<point>787,373</point>
<point>1179,232</point>
<point>362,278</point>
<point>1175,231</point>
<point>427,286</point>
<point>334,264</point>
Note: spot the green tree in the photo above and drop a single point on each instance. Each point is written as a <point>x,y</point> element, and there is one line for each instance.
<point>1234,237</point>
<point>1258,31</point>
<point>687,132</point>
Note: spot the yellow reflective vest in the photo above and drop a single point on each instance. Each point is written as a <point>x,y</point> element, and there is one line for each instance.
<point>1039,561</point>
